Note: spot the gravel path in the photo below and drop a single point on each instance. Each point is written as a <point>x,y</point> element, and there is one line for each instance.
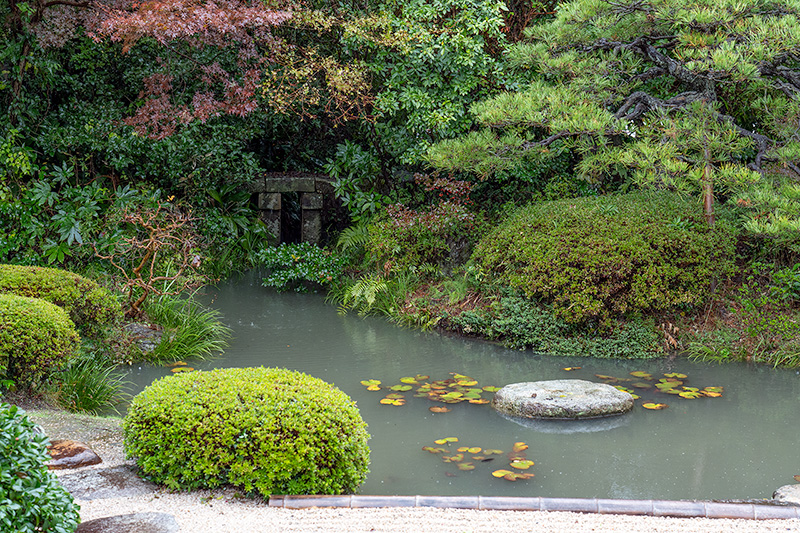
<point>225,511</point>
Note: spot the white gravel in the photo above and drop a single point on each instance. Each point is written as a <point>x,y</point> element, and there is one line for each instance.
<point>224,511</point>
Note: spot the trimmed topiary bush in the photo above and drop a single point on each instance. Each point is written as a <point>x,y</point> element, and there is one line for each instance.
<point>36,338</point>
<point>89,305</point>
<point>595,258</point>
<point>31,498</point>
<point>268,430</point>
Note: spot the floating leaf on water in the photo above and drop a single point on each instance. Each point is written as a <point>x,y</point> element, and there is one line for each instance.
<point>623,389</point>
<point>522,465</point>
<point>571,368</point>
<point>457,458</point>
<point>421,377</point>
<point>690,395</point>
<point>431,449</point>
<point>472,395</point>
<point>635,396</point>
<point>797,478</point>
<point>401,387</point>
<point>176,363</point>
<point>409,381</point>
<point>667,385</point>
<point>467,382</point>
<point>479,458</point>
<point>519,446</point>
<point>511,476</point>
<point>713,389</point>
<point>479,401</point>
<point>491,388</point>
<point>501,473</point>
<point>395,396</point>
<point>691,389</point>
<point>655,406</point>
<point>371,383</point>
<point>641,385</point>
<point>437,385</point>
<point>488,451</point>
<point>419,395</point>
<point>182,369</point>
<point>446,440</point>
<point>451,395</point>
<point>607,378</point>
<point>466,466</point>
<point>641,374</point>
<point>459,376</point>
<point>712,394</point>
<point>439,409</point>
<point>676,375</point>
<point>393,401</point>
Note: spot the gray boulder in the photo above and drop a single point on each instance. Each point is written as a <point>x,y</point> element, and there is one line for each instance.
<point>788,494</point>
<point>562,399</point>
<point>132,523</point>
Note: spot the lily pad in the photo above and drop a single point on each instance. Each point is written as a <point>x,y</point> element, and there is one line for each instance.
<point>371,383</point>
<point>488,451</point>
<point>393,401</point>
<point>439,409</point>
<point>176,363</point>
<point>655,406</point>
<point>690,395</point>
<point>182,369</point>
<point>471,449</point>
<point>479,401</point>
<point>409,381</point>
<point>676,375</point>
<point>643,375</point>
<point>466,466</point>
<point>401,387</point>
<point>511,476</point>
<point>467,382</point>
<point>519,446</point>
<point>571,368</point>
<point>431,449</point>
<point>491,388</point>
<point>522,465</point>
<point>446,440</point>
<point>797,478</point>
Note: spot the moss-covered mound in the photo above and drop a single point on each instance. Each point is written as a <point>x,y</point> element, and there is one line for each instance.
<point>36,338</point>
<point>269,430</point>
<point>31,498</point>
<point>89,305</point>
<point>594,258</point>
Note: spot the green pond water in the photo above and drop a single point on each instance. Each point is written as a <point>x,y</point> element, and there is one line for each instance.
<point>741,445</point>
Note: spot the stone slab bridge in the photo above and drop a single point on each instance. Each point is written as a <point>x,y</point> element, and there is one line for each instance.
<point>317,201</point>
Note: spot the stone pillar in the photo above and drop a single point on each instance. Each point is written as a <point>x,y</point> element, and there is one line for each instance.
<point>269,205</point>
<point>311,216</point>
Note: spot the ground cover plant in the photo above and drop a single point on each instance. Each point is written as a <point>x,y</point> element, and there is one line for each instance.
<point>266,430</point>
<point>31,497</point>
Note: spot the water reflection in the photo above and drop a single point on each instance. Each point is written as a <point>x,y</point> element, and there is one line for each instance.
<point>742,445</point>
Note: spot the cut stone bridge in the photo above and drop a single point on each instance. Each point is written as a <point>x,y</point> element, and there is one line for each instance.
<point>317,202</point>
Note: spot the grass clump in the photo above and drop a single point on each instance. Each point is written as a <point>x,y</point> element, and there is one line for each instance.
<point>190,330</point>
<point>594,259</point>
<point>266,430</point>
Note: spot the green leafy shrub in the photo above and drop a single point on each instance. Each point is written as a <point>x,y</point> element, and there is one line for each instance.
<point>268,430</point>
<point>521,324</point>
<point>406,238</point>
<point>36,338</point>
<point>31,499</point>
<point>595,258</point>
<point>300,266</point>
<point>89,306</point>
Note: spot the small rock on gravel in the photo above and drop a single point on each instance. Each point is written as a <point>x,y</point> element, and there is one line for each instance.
<point>788,493</point>
<point>67,454</point>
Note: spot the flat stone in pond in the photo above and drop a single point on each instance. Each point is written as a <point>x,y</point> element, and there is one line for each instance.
<point>70,454</point>
<point>132,523</point>
<point>788,494</point>
<point>562,399</point>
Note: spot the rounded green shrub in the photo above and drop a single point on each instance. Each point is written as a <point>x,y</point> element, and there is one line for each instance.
<point>595,258</point>
<point>31,498</point>
<point>89,305</point>
<point>269,430</point>
<point>36,338</point>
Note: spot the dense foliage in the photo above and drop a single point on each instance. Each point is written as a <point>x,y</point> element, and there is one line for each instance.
<point>36,338</point>
<point>266,430</point>
<point>596,258</point>
<point>31,498</point>
<point>89,306</point>
<point>300,267</point>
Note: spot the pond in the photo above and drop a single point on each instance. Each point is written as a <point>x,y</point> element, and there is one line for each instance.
<point>740,445</point>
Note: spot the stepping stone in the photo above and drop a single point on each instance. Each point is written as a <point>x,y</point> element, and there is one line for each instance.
<point>566,399</point>
<point>70,454</point>
<point>97,484</point>
<point>132,523</point>
<point>788,494</point>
